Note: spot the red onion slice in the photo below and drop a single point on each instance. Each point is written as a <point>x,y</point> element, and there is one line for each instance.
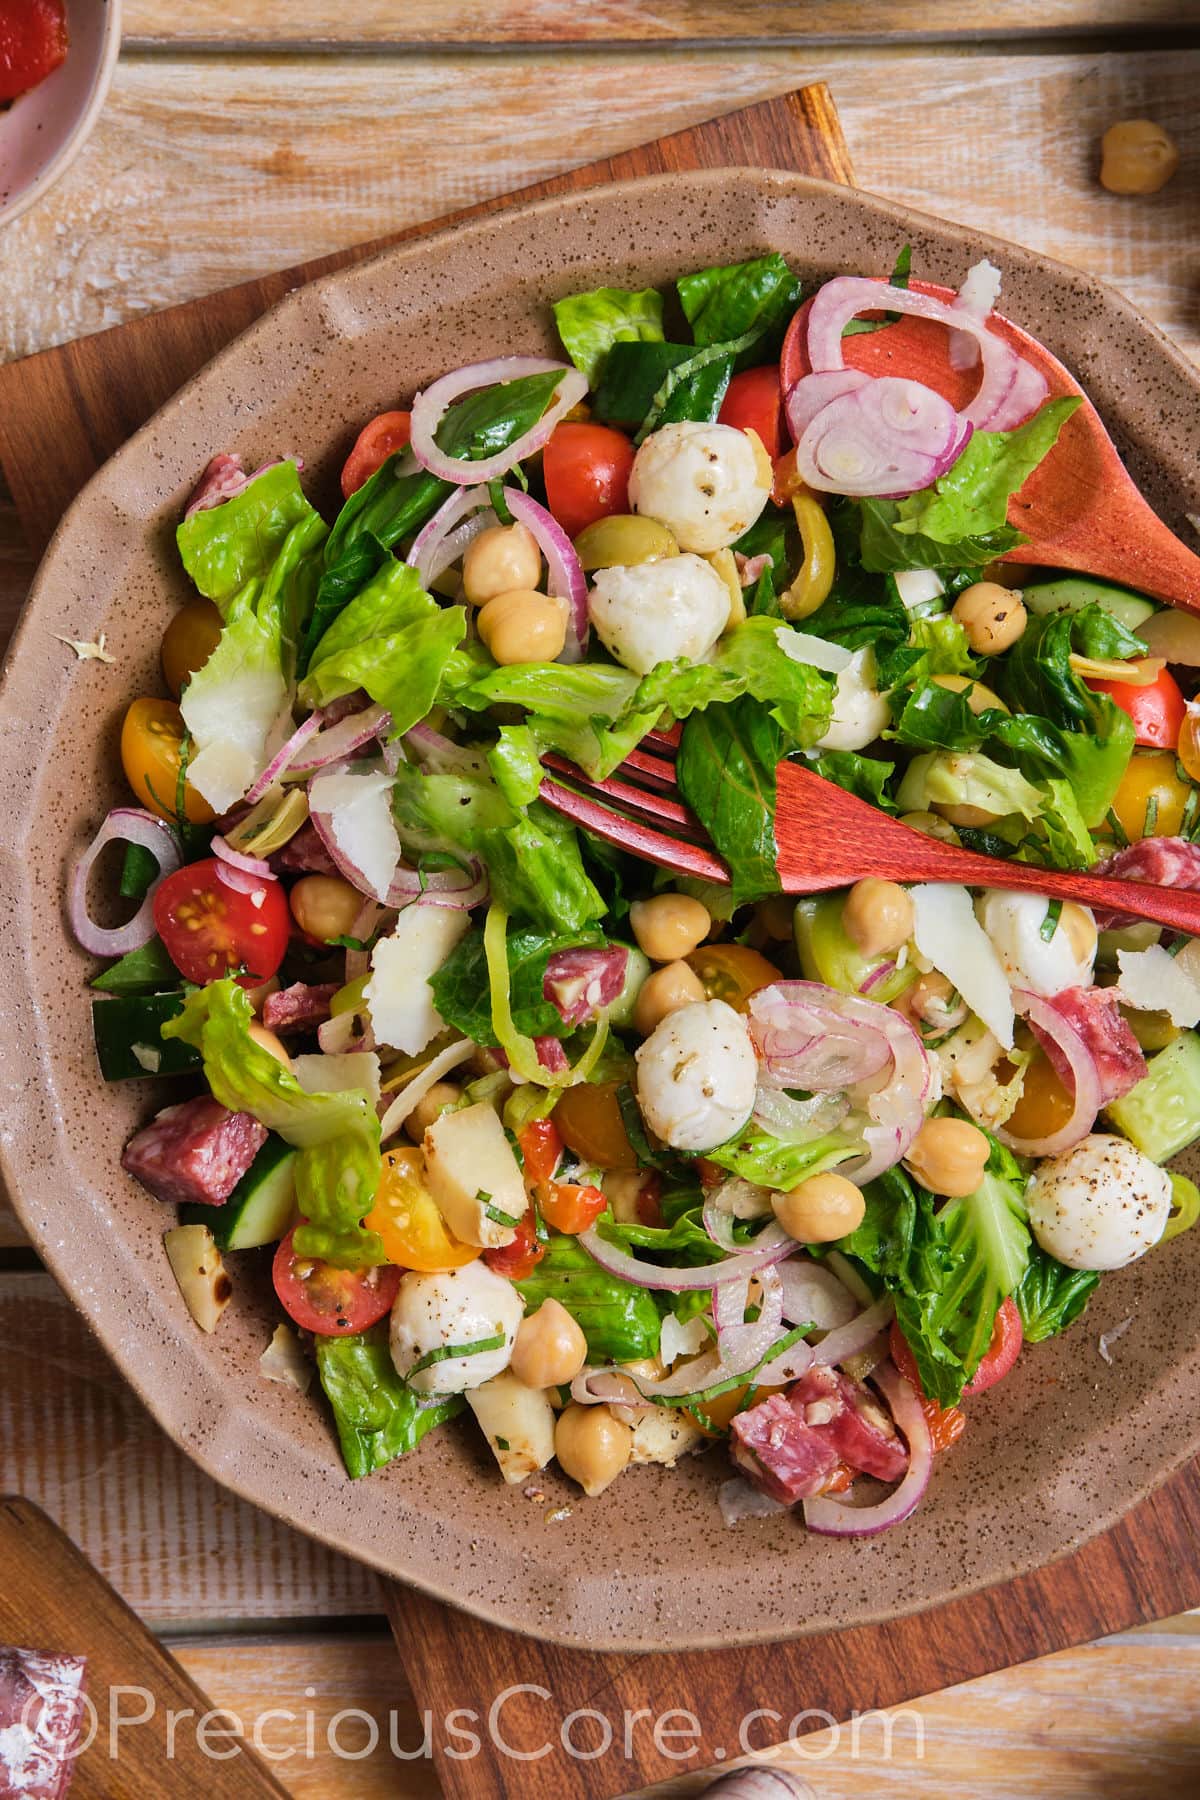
<point>241,883</point>
<point>333,743</point>
<point>1086,1075</point>
<point>679,1281</point>
<point>813,393</point>
<point>130,825</point>
<point>742,1343</point>
<point>443,539</point>
<point>833,1518</point>
<point>566,579</point>
<point>813,1295</point>
<point>429,409</point>
<point>977,297</point>
<point>236,859</point>
<point>458,889</point>
<point>798,1121</point>
<point>283,759</point>
<point>853,1337</point>
<point>889,436</point>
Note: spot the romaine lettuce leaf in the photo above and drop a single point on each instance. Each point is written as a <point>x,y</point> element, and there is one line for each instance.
<point>1035,675</point>
<point>620,1321</point>
<point>971,498</point>
<point>377,1414</point>
<point>865,776</point>
<point>393,639</point>
<point>226,546</point>
<point>724,303</point>
<point>726,772</point>
<point>945,778</point>
<point>590,324</point>
<point>460,987</point>
<point>1050,1296</point>
<point>768,1161</point>
<point>885,549</point>
<point>337,1134</point>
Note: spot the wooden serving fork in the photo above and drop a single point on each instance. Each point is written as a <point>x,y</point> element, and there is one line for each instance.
<point>825,837</point>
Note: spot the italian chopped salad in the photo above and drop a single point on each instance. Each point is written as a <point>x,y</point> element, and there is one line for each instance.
<point>625,1165</point>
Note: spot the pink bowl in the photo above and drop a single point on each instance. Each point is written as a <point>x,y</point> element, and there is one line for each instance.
<point>43,131</point>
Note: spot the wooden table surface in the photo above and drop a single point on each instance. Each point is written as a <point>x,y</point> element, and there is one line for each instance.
<point>243,135</point>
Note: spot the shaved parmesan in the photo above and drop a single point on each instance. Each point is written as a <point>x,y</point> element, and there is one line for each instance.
<point>398,995</point>
<point>339,1073</point>
<point>85,651</point>
<point>949,935</point>
<point>802,647</point>
<point>917,587</point>
<point>284,1361</point>
<point>1155,981</point>
<point>682,1340</point>
<point>354,807</point>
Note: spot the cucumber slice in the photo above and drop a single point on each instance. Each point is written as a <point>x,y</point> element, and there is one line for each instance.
<point>261,1207</point>
<point>1161,1115</point>
<point>128,1042</point>
<point>1071,592</point>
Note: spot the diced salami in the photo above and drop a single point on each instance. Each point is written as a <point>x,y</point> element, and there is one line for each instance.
<point>41,1716</point>
<point>222,479</point>
<point>1158,861</point>
<point>779,1453</point>
<point>551,1055</point>
<point>749,568</point>
<point>299,1007</point>
<point>304,854</point>
<point>577,983</point>
<point>857,1428</point>
<point>1095,1015</point>
<point>196,1151</point>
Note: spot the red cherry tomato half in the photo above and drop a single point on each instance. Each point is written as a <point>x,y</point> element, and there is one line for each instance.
<point>211,929</point>
<point>33,41</point>
<point>1007,1338</point>
<point>331,1301</point>
<point>754,402</point>
<point>569,1207</point>
<point>521,1257</point>
<point>372,447</point>
<point>586,470</point>
<point>1157,711</point>
<point>541,1147</point>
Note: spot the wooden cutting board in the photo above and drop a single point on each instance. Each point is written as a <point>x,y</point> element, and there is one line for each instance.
<point>51,1598</point>
<point>62,413</point>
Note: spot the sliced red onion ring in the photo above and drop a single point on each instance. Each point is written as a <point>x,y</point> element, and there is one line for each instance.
<point>853,1337</point>
<point>458,889</point>
<point>367,920</point>
<point>236,859</point>
<point>241,883</point>
<point>679,1281</point>
<point>798,1121</point>
<point>333,743</point>
<point>1086,1076</point>
<point>813,393</point>
<point>718,1218</point>
<point>130,825</point>
<point>813,1295</point>
<point>876,976</point>
<point>889,436</point>
<point>283,759</point>
<point>444,538</point>
<point>565,577</point>
<point>743,1344</point>
<point>833,1518</point>
<point>430,407</point>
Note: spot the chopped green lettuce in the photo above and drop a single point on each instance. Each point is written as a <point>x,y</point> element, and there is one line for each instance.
<point>726,772</point>
<point>769,1162</point>
<point>460,987</point>
<point>590,324</point>
<point>620,1321</point>
<point>337,1134</point>
<point>724,303</point>
<point>226,546</point>
<point>1050,1296</point>
<point>377,1414</point>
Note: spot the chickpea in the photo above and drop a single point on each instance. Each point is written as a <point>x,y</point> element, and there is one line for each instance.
<point>948,1157</point>
<point>431,1106</point>
<point>266,1040</point>
<point>979,697</point>
<point>669,988</point>
<point>550,1348</point>
<point>1137,157</point>
<point>878,916</point>
<point>821,1209</point>
<point>932,826</point>
<point>520,626</point>
<point>935,1002</point>
<point>258,996</point>
<point>992,616</point>
<point>325,906</point>
<point>592,1447</point>
<point>668,926</point>
<point>500,560</point>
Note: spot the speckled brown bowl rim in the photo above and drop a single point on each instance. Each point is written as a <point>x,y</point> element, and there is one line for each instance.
<point>1055,1456</point>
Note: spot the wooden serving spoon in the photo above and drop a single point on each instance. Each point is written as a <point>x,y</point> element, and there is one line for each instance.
<point>1080,509</point>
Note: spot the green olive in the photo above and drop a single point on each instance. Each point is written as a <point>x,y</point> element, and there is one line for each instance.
<point>828,954</point>
<point>622,540</point>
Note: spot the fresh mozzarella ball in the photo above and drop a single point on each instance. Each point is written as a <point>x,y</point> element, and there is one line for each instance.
<point>707,482</point>
<point>860,711</point>
<point>457,1307</point>
<point>1041,965</point>
<point>697,1076</point>
<point>1100,1205</point>
<point>654,612</point>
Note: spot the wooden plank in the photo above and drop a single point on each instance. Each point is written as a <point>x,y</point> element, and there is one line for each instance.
<point>1117,1717</point>
<point>176,1546</point>
<point>381,22</point>
<point>52,1599</point>
<point>309,154</point>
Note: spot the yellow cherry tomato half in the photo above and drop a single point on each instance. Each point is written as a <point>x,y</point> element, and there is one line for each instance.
<point>589,1122</point>
<point>731,972</point>
<point>1045,1105</point>
<point>1152,796</point>
<point>414,1233</point>
<point>151,741</point>
<point>188,642</point>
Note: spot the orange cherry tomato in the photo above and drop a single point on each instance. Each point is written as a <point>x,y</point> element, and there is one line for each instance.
<point>732,972</point>
<point>1157,710</point>
<point>541,1148</point>
<point>188,642</point>
<point>406,1216</point>
<point>753,402</point>
<point>386,434</point>
<point>151,750</point>
<point>1045,1105</point>
<point>946,1423</point>
<point>787,479</point>
<point>586,469</point>
<point>521,1257</point>
<point>570,1207</point>
<point>589,1121</point>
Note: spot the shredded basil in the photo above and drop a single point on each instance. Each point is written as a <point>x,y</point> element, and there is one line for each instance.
<point>1049,924</point>
<point>445,1351</point>
<point>497,1214</point>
